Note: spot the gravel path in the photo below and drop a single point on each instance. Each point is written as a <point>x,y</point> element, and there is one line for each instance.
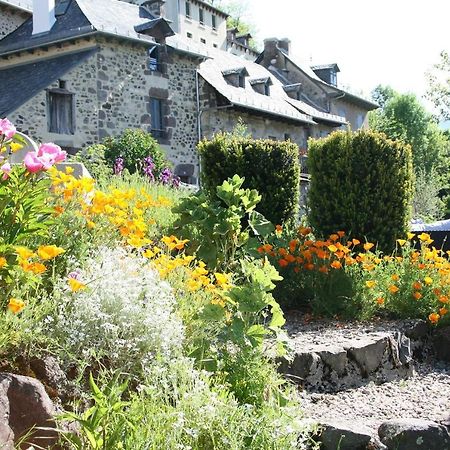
<point>425,395</point>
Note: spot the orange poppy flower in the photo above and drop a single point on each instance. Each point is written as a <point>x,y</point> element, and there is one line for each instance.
<point>393,289</point>
<point>367,246</point>
<point>434,318</point>
<point>417,295</point>
<point>336,265</point>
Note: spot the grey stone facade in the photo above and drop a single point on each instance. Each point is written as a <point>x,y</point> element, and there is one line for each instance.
<point>10,19</point>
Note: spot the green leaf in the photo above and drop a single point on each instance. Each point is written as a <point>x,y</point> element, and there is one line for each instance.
<point>260,225</point>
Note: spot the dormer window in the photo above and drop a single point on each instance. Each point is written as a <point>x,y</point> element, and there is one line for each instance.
<point>294,91</point>
<point>261,85</point>
<point>327,73</point>
<point>236,77</point>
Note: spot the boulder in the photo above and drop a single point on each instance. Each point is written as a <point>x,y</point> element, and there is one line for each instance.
<point>414,434</point>
<point>441,343</point>
<point>368,353</point>
<point>343,435</point>
<point>24,404</point>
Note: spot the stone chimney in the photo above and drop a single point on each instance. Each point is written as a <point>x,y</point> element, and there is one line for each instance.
<point>43,15</point>
<point>270,49</point>
<point>285,44</point>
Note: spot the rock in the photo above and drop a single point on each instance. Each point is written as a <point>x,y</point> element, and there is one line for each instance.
<point>343,435</point>
<point>368,354</point>
<point>441,343</point>
<point>25,404</point>
<point>414,434</point>
<point>335,358</point>
<point>417,330</point>
<point>48,370</point>
<point>305,364</point>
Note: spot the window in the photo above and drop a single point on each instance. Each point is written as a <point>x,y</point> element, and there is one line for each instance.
<point>61,110</point>
<point>189,35</point>
<point>213,22</point>
<point>201,16</point>
<point>156,117</point>
<point>241,80</point>
<point>333,78</point>
<point>287,137</point>
<point>267,89</point>
<point>203,41</point>
<point>215,45</point>
<point>188,10</point>
<point>153,63</point>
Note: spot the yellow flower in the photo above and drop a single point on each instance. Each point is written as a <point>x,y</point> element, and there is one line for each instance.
<point>75,285</point>
<point>24,252</point>
<point>410,235</point>
<point>425,237</point>
<point>15,146</point>
<point>15,305</point>
<point>37,268</point>
<point>395,277</point>
<point>401,242</point>
<point>2,262</point>
<point>367,246</point>
<point>370,284</point>
<point>393,289</point>
<point>428,281</point>
<point>332,248</point>
<point>47,252</point>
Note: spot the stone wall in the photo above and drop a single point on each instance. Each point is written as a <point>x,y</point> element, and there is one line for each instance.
<point>10,19</point>
<point>355,115</point>
<point>32,117</point>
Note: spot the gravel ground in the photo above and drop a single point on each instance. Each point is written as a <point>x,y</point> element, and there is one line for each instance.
<point>425,395</point>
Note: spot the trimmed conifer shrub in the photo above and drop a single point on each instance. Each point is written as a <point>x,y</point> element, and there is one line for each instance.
<point>270,167</point>
<point>361,183</point>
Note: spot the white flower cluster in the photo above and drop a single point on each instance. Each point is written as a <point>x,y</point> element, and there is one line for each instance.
<point>125,314</point>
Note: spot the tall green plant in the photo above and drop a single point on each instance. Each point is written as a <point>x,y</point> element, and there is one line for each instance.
<point>361,183</point>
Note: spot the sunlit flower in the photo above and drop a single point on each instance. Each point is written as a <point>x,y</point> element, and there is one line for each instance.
<point>15,305</point>
<point>47,252</point>
<point>417,285</point>
<point>367,246</point>
<point>380,300</point>
<point>370,284</point>
<point>24,252</point>
<point>356,242</point>
<point>393,289</point>
<point>443,311</point>
<point>428,281</point>
<point>332,248</point>
<point>434,318</point>
<point>395,277</point>
<point>283,263</point>
<point>401,242</point>
<point>417,295</point>
<point>336,265</point>
<point>2,262</point>
<point>75,285</point>
<point>410,235</point>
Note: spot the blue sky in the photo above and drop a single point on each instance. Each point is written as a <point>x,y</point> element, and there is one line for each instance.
<point>390,42</point>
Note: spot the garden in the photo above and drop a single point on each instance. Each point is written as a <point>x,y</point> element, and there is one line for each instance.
<point>139,314</point>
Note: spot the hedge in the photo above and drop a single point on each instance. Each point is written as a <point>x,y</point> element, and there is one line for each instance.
<point>361,183</point>
<point>270,167</point>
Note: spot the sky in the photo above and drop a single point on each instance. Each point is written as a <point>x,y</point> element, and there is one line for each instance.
<point>389,42</point>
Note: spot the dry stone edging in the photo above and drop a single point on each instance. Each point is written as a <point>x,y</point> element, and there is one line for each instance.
<point>414,434</point>
<point>379,357</point>
<point>24,404</point>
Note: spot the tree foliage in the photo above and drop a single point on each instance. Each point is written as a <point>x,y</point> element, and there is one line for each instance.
<point>439,86</point>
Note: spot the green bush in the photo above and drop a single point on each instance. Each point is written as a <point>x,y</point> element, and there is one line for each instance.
<point>361,183</point>
<point>93,158</point>
<point>133,145</point>
<point>270,167</point>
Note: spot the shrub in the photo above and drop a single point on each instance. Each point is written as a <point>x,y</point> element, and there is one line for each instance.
<point>133,146</point>
<point>120,310</point>
<point>360,182</point>
<point>93,158</point>
<point>270,167</point>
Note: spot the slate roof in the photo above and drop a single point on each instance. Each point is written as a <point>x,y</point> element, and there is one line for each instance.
<point>320,116</point>
<point>21,83</point>
<point>83,17</point>
<point>276,104</point>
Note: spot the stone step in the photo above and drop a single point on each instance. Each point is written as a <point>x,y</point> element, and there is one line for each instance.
<point>330,360</point>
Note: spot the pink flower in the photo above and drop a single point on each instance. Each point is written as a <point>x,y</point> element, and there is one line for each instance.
<point>51,152</point>
<point>6,169</point>
<point>7,128</point>
<point>46,156</point>
<point>32,162</point>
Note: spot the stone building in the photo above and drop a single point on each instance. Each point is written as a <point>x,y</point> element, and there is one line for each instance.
<point>75,74</point>
<point>316,86</point>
